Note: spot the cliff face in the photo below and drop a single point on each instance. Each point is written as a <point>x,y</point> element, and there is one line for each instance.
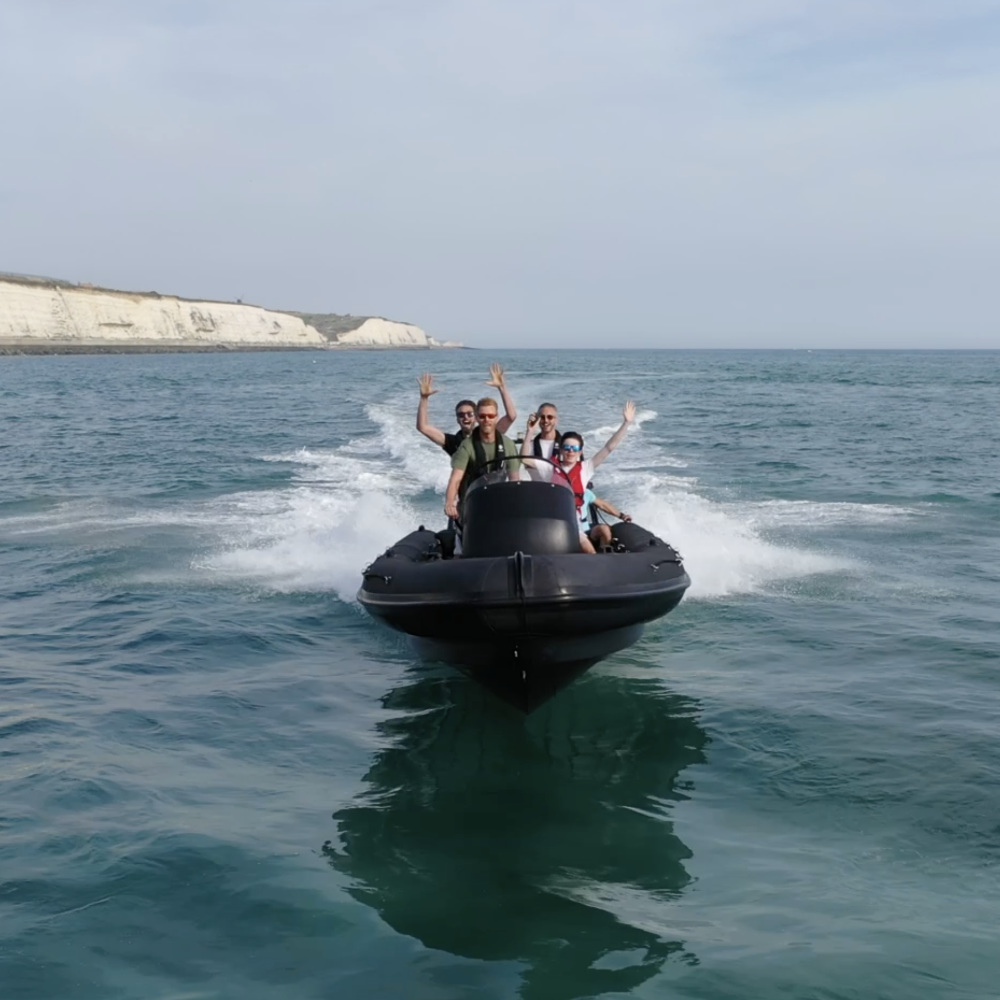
<point>377,332</point>
<point>33,313</point>
<point>49,316</point>
<point>371,331</point>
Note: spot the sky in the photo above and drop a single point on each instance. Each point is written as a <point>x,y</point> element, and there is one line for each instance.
<point>518,173</point>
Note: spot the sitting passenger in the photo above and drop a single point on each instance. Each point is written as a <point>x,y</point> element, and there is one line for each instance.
<point>465,411</point>
<point>579,471</point>
<point>545,445</point>
<point>600,534</point>
<point>484,445</point>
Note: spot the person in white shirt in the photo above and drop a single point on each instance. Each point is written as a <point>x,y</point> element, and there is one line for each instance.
<point>545,445</point>
<point>578,471</point>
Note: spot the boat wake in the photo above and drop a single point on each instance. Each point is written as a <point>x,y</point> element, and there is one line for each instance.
<point>340,507</point>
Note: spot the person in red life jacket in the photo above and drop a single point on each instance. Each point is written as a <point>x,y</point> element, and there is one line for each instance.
<point>545,445</point>
<point>482,446</point>
<point>579,471</point>
<point>465,411</point>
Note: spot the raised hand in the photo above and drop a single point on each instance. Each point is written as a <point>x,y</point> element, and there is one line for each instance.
<point>496,376</point>
<point>532,419</point>
<point>426,385</point>
<point>629,411</point>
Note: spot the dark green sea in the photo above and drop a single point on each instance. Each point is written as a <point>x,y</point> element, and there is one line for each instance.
<point>219,780</point>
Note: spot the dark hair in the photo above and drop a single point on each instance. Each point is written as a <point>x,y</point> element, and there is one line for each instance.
<point>465,402</point>
<point>551,406</point>
<point>574,436</point>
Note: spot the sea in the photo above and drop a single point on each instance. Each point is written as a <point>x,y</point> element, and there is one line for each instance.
<point>220,780</point>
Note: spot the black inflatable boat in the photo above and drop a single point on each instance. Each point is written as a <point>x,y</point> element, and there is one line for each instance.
<point>521,609</point>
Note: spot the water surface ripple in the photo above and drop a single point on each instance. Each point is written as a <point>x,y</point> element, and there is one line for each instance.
<point>220,780</point>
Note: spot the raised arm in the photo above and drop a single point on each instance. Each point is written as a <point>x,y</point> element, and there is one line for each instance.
<point>497,381</point>
<point>530,431</point>
<point>423,423</point>
<point>628,414</point>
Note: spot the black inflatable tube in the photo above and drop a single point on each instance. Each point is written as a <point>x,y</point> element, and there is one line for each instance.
<point>523,623</point>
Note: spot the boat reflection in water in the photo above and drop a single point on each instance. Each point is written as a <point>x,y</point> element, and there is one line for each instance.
<point>546,841</point>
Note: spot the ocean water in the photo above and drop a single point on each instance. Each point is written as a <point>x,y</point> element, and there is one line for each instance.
<point>219,779</point>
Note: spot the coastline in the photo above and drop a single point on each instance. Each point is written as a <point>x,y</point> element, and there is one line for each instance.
<point>35,349</point>
<point>42,316</point>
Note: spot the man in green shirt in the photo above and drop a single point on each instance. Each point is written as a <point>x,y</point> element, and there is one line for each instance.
<point>466,464</point>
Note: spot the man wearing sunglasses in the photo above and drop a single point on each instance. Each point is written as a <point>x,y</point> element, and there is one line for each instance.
<point>544,445</point>
<point>465,411</point>
<point>484,445</point>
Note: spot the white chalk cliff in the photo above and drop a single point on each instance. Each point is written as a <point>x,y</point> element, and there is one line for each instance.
<point>44,314</point>
<point>379,332</point>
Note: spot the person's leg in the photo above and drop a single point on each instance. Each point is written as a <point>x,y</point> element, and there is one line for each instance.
<point>586,545</point>
<point>600,535</point>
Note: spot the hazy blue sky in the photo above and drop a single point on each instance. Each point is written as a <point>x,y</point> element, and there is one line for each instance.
<point>714,173</point>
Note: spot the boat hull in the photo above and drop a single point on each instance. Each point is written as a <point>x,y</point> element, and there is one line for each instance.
<point>523,625</point>
<point>526,670</point>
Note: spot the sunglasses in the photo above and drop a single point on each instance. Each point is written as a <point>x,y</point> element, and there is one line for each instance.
<point>464,413</point>
<point>546,416</point>
<point>571,447</point>
<point>487,416</point>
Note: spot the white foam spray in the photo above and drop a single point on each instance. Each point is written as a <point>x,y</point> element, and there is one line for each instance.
<point>345,505</point>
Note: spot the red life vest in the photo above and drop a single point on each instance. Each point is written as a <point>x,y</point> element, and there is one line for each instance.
<point>575,477</point>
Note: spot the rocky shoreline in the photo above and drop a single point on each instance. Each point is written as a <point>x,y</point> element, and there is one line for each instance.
<point>11,349</point>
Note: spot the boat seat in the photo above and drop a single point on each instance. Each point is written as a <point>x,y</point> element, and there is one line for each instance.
<point>500,519</point>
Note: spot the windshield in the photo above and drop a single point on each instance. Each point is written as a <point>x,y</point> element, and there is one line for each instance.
<point>498,471</point>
